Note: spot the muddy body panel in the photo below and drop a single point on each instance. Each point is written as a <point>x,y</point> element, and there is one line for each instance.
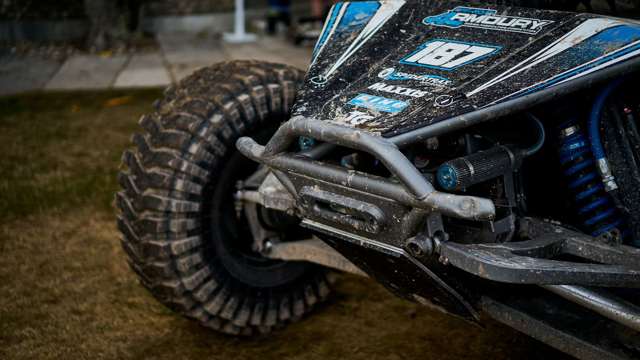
<point>393,66</point>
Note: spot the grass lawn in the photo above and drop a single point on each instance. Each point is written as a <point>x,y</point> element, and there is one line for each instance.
<point>67,293</point>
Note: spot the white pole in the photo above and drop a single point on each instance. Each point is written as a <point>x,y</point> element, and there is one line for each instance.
<point>239,35</point>
<point>239,26</point>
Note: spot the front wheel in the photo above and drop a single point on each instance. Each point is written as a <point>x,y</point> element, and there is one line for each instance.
<point>180,224</point>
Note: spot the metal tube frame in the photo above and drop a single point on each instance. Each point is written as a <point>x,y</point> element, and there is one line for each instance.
<point>381,148</point>
<point>607,305</point>
<point>414,189</point>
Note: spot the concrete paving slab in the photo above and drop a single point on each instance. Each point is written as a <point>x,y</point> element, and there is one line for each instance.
<point>250,51</point>
<point>190,48</point>
<point>298,56</point>
<point>187,56</point>
<point>181,54</point>
<point>187,52</point>
<point>87,72</point>
<point>19,74</point>
<point>144,70</point>
<point>271,49</point>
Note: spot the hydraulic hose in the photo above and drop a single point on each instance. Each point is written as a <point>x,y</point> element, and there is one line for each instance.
<point>541,137</point>
<point>594,135</point>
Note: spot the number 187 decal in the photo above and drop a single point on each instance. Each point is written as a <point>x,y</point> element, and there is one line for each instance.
<point>448,54</point>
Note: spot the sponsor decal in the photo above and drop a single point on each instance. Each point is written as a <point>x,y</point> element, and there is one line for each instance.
<point>424,79</point>
<point>399,90</point>
<point>486,19</point>
<point>447,55</point>
<point>378,103</point>
<point>358,118</point>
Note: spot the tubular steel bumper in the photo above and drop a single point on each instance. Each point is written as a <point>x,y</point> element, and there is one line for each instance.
<point>413,189</point>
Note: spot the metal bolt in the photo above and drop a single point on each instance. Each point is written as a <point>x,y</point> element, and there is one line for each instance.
<point>306,143</point>
<point>414,249</point>
<point>420,246</point>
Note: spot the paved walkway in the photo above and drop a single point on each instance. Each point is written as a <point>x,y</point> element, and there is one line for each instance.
<point>178,56</point>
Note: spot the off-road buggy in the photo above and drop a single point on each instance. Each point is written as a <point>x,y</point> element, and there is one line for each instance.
<point>472,158</point>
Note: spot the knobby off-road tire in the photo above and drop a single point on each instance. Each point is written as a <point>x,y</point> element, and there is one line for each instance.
<point>177,217</point>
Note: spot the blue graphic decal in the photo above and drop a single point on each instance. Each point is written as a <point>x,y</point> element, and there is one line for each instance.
<point>447,55</point>
<point>606,47</point>
<point>378,103</point>
<point>357,15</point>
<point>602,43</point>
<point>331,19</point>
<point>450,18</point>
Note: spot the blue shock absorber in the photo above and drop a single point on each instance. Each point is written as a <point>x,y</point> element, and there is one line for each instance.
<point>595,206</point>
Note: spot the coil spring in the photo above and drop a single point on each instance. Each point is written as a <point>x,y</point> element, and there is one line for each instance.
<point>595,207</point>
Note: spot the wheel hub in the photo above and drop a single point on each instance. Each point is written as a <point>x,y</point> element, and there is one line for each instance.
<point>269,210</point>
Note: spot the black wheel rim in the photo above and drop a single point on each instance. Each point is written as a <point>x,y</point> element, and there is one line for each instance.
<point>231,237</point>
